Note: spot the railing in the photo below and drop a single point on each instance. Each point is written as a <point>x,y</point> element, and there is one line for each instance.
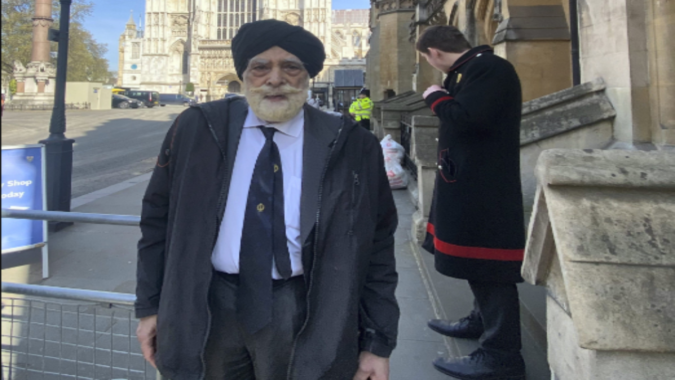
<point>406,141</point>
<point>51,332</point>
<point>44,106</point>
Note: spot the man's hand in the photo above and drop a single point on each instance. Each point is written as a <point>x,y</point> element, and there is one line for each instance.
<point>146,334</point>
<point>372,367</point>
<point>432,89</point>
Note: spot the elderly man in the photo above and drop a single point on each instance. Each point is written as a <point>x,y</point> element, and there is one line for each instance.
<point>268,232</point>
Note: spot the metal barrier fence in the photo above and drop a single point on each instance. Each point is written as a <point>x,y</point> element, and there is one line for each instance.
<point>61,333</point>
<point>44,106</point>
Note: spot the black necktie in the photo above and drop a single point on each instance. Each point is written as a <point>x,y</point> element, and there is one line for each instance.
<point>263,239</point>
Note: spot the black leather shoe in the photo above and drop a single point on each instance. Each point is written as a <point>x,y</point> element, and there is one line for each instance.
<point>481,365</point>
<point>470,327</point>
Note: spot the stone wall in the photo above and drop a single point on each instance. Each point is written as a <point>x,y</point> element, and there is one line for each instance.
<point>600,241</point>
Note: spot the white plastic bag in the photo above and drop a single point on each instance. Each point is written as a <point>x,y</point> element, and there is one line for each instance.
<point>393,156</point>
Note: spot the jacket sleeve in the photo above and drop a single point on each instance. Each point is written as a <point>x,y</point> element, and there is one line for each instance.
<point>379,312</point>
<point>154,222</point>
<point>487,87</point>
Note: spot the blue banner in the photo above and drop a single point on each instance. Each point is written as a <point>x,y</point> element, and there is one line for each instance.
<point>22,189</point>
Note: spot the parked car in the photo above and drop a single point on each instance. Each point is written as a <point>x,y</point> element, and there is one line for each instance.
<point>121,101</point>
<point>148,98</point>
<point>175,99</point>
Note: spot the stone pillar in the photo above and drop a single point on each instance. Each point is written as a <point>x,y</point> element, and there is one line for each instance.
<point>397,53</point>
<point>534,36</point>
<point>600,240</point>
<point>42,20</point>
<point>661,23</point>
<point>391,123</point>
<point>623,63</point>
<point>424,146</point>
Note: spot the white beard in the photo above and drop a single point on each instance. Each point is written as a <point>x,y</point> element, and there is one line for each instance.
<point>279,111</point>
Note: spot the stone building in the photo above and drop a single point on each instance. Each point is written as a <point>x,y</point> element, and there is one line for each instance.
<point>190,41</point>
<point>625,42</point>
<point>596,75</point>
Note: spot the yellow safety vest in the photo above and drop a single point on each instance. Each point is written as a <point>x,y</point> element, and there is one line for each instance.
<point>361,108</point>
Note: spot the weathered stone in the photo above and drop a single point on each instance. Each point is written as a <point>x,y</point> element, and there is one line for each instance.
<point>607,168</point>
<point>564,111</point>
<point>611,265</point>
<point>569,361</point>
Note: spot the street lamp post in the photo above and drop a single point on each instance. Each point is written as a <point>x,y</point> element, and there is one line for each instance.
<point>59,149</point>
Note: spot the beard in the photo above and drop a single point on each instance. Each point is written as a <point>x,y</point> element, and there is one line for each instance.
<point>276,111</point>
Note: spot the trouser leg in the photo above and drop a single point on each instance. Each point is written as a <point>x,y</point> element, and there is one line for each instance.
<point>233,354</point>
<point>500,312</point>
<point>271,347</point>
<point>226,356</point>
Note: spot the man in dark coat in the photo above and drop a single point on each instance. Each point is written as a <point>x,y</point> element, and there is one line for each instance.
<point>267,247</point>
<point>476,227</point>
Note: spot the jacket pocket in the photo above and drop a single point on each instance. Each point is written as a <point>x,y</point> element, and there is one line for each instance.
<point>447,167</point>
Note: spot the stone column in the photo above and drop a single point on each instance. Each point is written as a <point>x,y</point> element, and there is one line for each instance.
<point>534,36</point>
<point>42,20</point>
<point>661,20</point>
<point>623,63</point>
<point>424,146</point>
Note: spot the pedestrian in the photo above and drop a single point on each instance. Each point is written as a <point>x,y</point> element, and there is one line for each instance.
<point>267,247</point>
<point>362,108</point>
<point>196,98</point>
<point>476,229</point>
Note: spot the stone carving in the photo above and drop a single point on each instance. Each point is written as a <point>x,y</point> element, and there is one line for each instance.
<point>18,67</point>
<point>179,25</point>
<point>292,18</point>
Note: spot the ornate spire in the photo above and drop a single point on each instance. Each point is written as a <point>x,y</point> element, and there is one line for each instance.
<point>131,19</point>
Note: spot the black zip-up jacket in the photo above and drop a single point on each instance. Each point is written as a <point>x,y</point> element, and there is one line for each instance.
<point>348,219</point>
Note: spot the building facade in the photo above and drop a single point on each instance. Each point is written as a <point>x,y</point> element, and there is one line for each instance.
<point>189,41</point>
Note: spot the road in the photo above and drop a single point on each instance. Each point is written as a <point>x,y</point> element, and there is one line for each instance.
<point>110,146</point>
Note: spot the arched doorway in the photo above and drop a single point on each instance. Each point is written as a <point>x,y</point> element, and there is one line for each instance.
<point>234,87</point>
<point>228,83</point>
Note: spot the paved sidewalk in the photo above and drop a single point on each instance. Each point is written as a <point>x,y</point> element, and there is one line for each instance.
<point>101,257</point>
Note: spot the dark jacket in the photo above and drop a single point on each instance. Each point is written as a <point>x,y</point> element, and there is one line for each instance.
<point>476,228</point>
<point>348,218</point>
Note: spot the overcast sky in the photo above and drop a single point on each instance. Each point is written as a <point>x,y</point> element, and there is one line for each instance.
<point>107,22</point>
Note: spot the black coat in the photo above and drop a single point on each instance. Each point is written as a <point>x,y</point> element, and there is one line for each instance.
<point>348,219</point>
<point>476,228</point>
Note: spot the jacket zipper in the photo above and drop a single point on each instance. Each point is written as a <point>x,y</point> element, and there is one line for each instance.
<point>355,183</point>
<point>316,245</point>
<point>219,217</point>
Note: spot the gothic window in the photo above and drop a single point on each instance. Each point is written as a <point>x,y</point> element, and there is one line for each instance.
<point>136,50</point>
<point>356,39</point>
<point>232,14</point>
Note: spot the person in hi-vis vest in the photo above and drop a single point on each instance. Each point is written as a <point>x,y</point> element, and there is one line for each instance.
<point>362,108</point>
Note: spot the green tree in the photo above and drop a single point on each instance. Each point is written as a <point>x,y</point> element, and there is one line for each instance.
<point>86,60</point>
<point>12,86</point>
<point>190,87</point>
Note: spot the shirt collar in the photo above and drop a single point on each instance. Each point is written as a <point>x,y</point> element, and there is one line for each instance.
<point>291,128</point>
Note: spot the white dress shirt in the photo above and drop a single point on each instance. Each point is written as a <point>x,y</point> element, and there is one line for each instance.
<point>289,138</point>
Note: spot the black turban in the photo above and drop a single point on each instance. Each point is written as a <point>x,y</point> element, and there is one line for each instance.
<point>256,37</point>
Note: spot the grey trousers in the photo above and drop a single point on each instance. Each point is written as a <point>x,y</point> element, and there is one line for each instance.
<point>233,354</point>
